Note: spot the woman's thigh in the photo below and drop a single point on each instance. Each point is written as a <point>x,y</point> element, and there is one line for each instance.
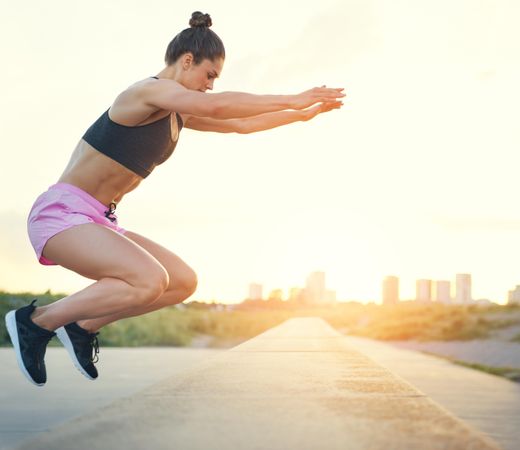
<point>95,251</point>
<point>180,273</point>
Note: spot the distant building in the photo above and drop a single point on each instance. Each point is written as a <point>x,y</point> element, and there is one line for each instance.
<point>390,290</point>
<point>255,291</point>
<point>483,302</point>
<point>315,288</point>
<point>295,294</point>
<point>463,288</point>
<point>330,296</point>
<point>276,294</point>
<point>423,291</point>
<point>443,291</point>
<point>303,296</point>
<point>513,297</point>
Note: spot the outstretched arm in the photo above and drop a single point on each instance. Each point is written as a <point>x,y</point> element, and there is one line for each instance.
<point>259,123</point>
<point>170,95</point>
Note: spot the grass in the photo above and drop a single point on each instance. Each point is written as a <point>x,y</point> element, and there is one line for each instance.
<point>170,326</point>
<point>14,301</point>
<point>175,326</point>
<point>516,338</point>
<point>422,322</point>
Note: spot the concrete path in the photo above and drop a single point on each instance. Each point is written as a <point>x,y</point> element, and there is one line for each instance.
<point>27,410</point>
<point>488,402</point>
<point>296,386</point>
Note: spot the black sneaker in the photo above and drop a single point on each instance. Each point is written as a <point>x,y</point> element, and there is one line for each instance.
<point>82,346</point>
<point>30,342</point>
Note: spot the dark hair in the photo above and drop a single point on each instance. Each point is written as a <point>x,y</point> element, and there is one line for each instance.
<point>198,40</point>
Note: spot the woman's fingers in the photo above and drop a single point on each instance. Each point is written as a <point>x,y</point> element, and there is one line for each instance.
<point>322,108</point>
<point>325,88</point>
<point>329,106</point>
<point>317,95</point>
<point>329,94</point>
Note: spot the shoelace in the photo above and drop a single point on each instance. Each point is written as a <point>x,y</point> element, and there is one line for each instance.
<point>95,346</point>
<point>110,211</point>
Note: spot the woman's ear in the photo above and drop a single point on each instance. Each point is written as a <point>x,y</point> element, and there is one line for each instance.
<point>187,60</point>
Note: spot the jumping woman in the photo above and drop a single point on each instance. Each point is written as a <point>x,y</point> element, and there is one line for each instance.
<point>73,224</point>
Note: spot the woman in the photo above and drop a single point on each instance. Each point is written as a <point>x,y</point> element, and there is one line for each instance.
<point>73,224</point>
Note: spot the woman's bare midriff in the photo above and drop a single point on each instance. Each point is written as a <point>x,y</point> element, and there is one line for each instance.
<point>97,174</point>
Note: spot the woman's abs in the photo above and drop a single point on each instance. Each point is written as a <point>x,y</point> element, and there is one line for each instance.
<point>100,176</point>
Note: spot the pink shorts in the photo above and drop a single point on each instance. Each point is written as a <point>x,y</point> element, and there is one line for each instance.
<point>61,207</point>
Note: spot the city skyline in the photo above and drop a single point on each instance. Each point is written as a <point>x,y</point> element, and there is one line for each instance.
<point>426,290</point>
<point>314,292</point>
<point>429,290</point>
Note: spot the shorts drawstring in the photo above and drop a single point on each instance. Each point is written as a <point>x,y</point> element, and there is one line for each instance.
<point>110,211</point>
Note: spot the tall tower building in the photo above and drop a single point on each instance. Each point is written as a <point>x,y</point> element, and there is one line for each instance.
<point>463,288</point>
<point>255,291</point>
<point>315,287</point>
<point>442,291</point>
<point>514,296</point>
<point>390,290</point>
<point>423,291</point>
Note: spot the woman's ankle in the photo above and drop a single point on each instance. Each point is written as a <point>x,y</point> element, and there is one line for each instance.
<point>38,318</point>
<point>87,325</point>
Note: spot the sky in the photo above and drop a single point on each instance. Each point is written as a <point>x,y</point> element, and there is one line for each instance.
<point>416,176</point>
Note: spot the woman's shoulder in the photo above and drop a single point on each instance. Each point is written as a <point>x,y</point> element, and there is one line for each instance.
<point>155,83</point>
<point>132,106</point>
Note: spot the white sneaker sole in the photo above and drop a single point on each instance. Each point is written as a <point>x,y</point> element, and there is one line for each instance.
<point>65,340</point>
<point>12,329</point>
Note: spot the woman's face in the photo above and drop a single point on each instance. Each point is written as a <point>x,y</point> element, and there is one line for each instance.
<point>200,77</point>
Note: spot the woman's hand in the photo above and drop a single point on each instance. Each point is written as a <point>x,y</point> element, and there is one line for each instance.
<point>320,108</point>
<point>323,95</point>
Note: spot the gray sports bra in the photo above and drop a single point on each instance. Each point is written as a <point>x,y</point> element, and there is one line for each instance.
<point>138,148</point>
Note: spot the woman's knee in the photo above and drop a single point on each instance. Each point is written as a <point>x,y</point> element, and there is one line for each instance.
<point>151,283</point>
<point>188,283</point>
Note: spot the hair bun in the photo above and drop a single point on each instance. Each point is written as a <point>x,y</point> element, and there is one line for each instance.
<point>199,20</point>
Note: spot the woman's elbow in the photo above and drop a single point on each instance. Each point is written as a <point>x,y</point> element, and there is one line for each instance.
<point>242,127</point>
<point>208,109</point>
<point>218,110</point>
<point>222,108</point>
